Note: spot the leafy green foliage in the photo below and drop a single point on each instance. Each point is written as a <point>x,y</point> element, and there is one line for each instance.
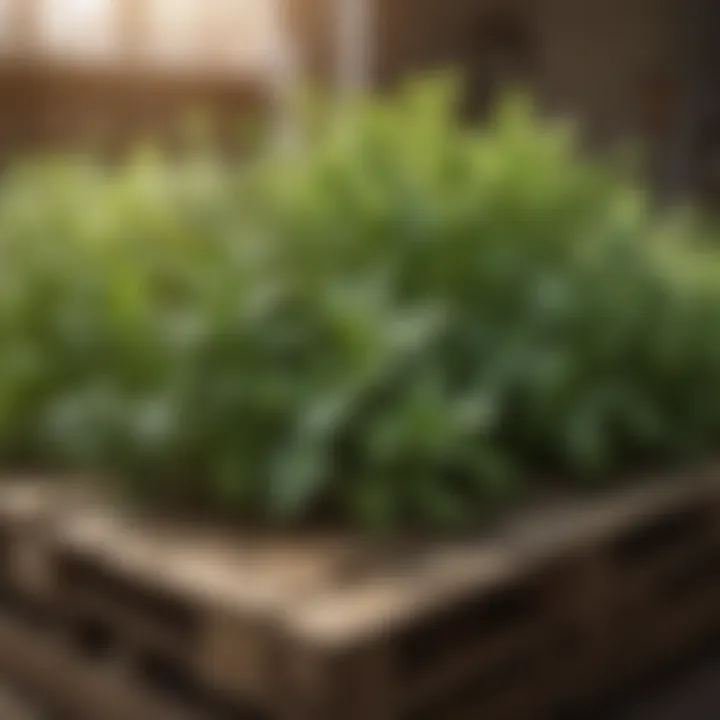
<point>408,321</point>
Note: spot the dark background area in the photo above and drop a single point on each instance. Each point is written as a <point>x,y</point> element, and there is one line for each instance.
<point>690,691</point>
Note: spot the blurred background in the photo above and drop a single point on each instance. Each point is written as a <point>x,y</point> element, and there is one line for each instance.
<point>98,73</point>
<point>103,71</point>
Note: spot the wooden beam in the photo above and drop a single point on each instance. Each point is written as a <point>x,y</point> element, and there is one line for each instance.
<point>353,36</point>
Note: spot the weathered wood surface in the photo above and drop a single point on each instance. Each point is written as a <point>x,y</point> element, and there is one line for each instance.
<point>546,608</point>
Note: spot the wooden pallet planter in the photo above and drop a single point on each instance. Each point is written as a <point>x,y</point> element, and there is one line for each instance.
<point>550,608</point>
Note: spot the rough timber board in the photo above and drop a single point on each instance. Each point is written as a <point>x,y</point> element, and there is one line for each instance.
<point>13,707</point>
<point>209,599</point>
<point>73,686</point>
<point>336,587</point>
<point>523,545</point>
<point>586,521</point>
<point>29,507</point>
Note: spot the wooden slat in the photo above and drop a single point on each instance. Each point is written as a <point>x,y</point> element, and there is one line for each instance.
<point>77,687</point>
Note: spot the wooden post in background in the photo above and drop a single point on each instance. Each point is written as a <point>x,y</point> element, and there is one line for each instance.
<point>354,47</point>
<point>287,72</point>
<point>697,22</point>
<point>133,29</point>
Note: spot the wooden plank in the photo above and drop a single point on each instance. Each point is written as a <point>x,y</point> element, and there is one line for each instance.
<point>83,690</point>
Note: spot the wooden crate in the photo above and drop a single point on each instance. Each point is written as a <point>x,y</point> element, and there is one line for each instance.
<point>545,610</point>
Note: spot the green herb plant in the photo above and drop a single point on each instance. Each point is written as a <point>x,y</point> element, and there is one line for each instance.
<point>406,321</point>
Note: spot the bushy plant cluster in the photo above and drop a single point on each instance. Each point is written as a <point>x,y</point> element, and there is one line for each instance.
<point>404,321</point>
